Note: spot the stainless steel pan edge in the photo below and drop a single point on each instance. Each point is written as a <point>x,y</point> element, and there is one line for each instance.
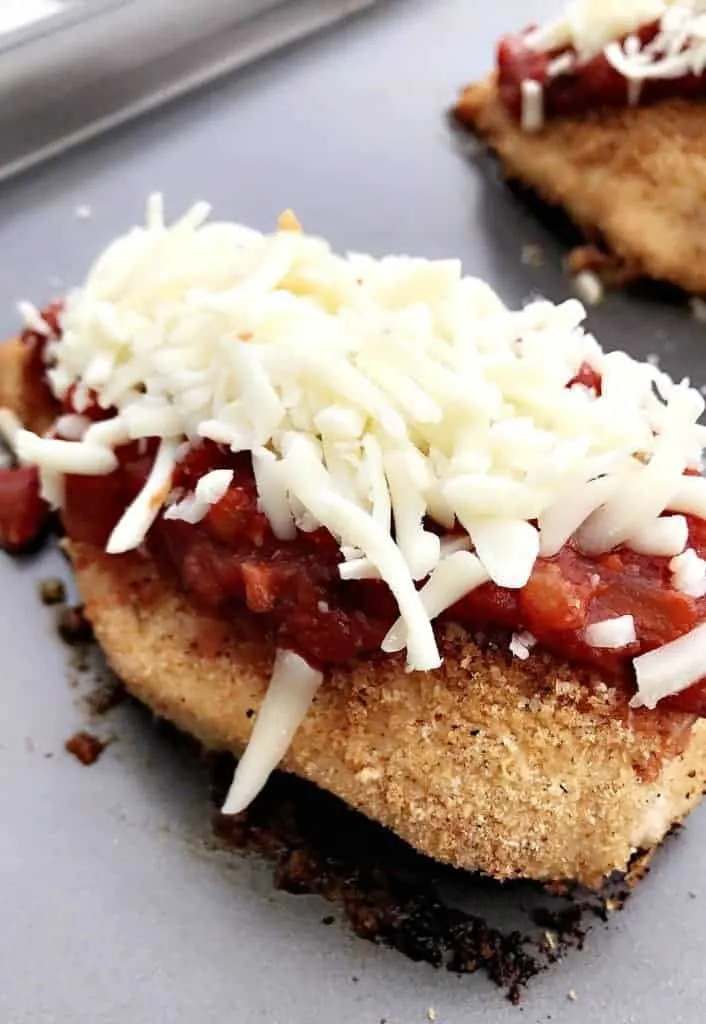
<point>64,84</point>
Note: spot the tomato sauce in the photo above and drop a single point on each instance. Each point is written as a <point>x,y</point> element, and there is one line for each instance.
<point>232,558</point>
<point>590,86</point>
<point>24,517</point>
<point>36,397</point>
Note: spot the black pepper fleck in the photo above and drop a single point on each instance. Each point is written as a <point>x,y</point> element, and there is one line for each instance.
<point>73,627</point>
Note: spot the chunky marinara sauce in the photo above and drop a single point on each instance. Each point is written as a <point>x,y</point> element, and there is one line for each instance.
<point>589,86</point>
<point>232,559</point>
<point>24,517</point>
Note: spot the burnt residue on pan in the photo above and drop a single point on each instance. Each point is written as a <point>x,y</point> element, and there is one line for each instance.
<point>85,747</point>
<point>392,895</point>
<point>384,890</point>
<point>76,632</point>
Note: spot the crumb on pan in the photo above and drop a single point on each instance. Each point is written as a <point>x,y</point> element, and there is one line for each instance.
<point>610,270</point>
<point>73,626</point>
<point>52,591</point>
<point>697,306</point>
<point>85,747</point>
<point>288,221</point>
<point>588,288</point>
<point>104,697</point>
<point>532,255</point>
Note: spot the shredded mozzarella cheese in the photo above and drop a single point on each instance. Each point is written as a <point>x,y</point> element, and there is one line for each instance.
<point>139,516</point>
<point>588,287</point>
<point>409,391</point>
<point>308,480</point>
<point>34,319</point>
<point>612,633</point>
<point>521,645</point>
<point>588,26</point>
<point>689,573</point>
<point>64,456</point>
<point>665,537</point>
<point>670,669</point>
<point>209,491</point>
<point>532,105</point>
<point>292,688</point>
<point>454,577</point>
<point>678,49</point>
<point>71,427</point>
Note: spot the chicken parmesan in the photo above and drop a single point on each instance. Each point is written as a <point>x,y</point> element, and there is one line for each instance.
<point>354,518</point>
<point>601,112</point>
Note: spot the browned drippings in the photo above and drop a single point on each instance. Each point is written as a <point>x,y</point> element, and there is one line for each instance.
<point>387,892</point>
<point>106,696</point>
<point>85,747</point>
<point>394,896</point>
<point>73,626</point>
<point>609,267</point>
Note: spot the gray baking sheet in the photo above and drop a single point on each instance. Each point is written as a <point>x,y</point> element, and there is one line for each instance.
<point>116,906</point>
<point>73,69</point>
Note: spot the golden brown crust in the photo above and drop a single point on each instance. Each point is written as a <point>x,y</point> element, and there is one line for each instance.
<point>491,764</point>
<point>637,176</point>
<point>12,357</point>
<point>34,411</point>
<point>530,769</point>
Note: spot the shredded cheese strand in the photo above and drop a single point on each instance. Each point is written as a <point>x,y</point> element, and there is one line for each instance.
<point>670,669</point>
<point>292,688</point>
<point>308,480</point>
<point>64,456</point>
<point>454,578</point>
<point>139,516</point>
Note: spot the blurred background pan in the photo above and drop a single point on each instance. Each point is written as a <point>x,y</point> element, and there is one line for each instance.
<point>71,69</point>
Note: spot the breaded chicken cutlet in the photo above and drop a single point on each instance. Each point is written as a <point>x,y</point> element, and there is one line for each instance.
<point>511,739</point>
<point>615,141</point>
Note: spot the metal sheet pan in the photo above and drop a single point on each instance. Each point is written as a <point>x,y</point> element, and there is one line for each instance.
<point>71,69</point>
<point>115,907</point>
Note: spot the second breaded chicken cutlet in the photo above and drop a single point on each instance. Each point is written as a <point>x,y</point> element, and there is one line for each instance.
<point>617,147</point>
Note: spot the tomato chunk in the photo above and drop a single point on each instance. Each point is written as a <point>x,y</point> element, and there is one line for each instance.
<point>24,516</point>
<point>236,516</point>
<point>691,701</point>
<point>551,601</point>
<point>91,507</point>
